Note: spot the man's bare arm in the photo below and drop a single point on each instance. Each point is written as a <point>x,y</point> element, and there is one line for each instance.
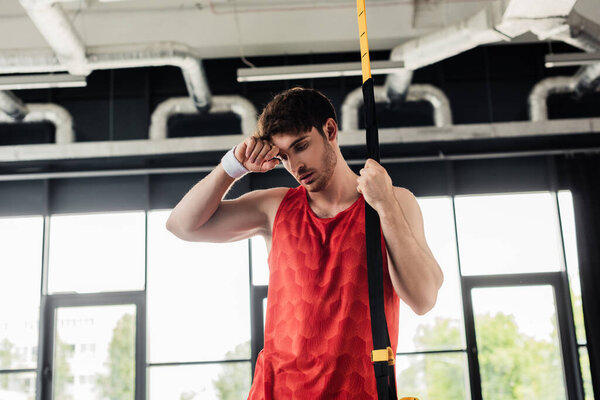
<point>203,215</point>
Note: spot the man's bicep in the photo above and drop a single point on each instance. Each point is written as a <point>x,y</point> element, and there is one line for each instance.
<point>234,220</point>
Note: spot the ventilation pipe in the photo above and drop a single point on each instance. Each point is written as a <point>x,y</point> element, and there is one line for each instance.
<point>442,116</point>
<point>438,45</point>
<point>584,81</point>
<point>48,112</point>
<point>220,104</point>
<point>12,106</point>
<point>55,26</point>
<point>124,56</point>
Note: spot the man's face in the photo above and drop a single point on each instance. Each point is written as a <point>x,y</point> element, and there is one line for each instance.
<point>309,157</point>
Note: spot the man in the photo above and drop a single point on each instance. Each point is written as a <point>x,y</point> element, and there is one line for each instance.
<point>317,330</point>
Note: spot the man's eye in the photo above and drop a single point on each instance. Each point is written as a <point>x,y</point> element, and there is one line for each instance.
<point>301,147</point>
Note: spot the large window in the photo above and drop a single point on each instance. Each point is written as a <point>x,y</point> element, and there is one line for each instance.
<point>198,316</point>
<point>126,308</point>
<point>100,252</point>
<point>432,362</point>
<point>20,272</point>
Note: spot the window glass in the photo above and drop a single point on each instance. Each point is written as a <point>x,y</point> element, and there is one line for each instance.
<point>20,276</point>
<point>94,352</point>
<point>260,266</point>
<point>99,252</point>
<point>221,381</point>
<point>198,296</point>
<point>584,360</point>
<point>441,328</point>
<point>508,233</point>
<point>567,218</point>
<point>19,386</point>
<point>517,343</point>
<point>433,376</point>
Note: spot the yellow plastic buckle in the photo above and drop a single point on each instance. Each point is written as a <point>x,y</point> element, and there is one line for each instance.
<point>383,355</point>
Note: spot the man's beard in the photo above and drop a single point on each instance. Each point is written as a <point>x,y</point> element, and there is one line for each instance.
<point>329,163</point>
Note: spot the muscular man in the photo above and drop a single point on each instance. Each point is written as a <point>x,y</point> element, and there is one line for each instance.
<point>317,330</point>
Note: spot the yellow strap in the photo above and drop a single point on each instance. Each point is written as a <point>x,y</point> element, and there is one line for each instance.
<point>364,42</point>
<point>383,355</point>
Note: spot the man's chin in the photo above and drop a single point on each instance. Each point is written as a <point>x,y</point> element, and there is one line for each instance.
<point>315,186</point>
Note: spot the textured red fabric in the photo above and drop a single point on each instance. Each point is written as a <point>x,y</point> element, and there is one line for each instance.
<point>318,327</point>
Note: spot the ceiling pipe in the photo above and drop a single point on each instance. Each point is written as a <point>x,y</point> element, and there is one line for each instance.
<point>12,106</point>
<point>55,26</point>
<point>220,104</point>
<point>584,81</point>
<point>123,56</point>
<point>438,45</point>
<point>442,115</point>
<point>48,112</point>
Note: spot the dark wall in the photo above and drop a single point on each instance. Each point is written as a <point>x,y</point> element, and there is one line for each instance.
<point>486,84</point>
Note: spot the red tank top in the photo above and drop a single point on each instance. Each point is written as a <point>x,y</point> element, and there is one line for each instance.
<point>318,326</point>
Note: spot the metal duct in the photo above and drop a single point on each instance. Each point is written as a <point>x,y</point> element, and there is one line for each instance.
<point>56,28</point>
<point>126,56</point>
<point>440,44</point>
<point>581,82</point>
<point>220,104</point>
<point>449,41</point>
<point>12,106</point>
<point>50,112</point>
<point>442,115</point>
<point>397,84</point>
<point>588,79</point>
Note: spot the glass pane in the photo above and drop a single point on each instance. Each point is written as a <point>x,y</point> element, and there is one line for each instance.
<point>89,252</point>
<point>94,353</point>
<point>260,266</point>
<point>225,381</point>
<point>433,376</point>
<point>584,360</point>
<point>19,386</point>
<point>567,217</point>
<point>20,280</point>
<point>507,233</point>
<point>198,296</point>
<point>517,342</point>
<point>441,328</point>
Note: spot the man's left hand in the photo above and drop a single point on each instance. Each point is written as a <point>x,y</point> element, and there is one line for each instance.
<point>375,185</point>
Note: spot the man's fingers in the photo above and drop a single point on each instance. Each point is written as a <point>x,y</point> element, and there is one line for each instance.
<point>257,148</point>
<point>250,143</point>
<point>269,165</point>
<point>272,153</point>
<point>263,153</point>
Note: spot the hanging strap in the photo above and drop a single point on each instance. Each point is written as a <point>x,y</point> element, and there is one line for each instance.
<point>382,355</point>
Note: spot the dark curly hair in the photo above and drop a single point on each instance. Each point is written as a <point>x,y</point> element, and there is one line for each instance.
<point>295,111</point>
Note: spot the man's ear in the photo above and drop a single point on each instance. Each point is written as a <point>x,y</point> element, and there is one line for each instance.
<point>331,129</point>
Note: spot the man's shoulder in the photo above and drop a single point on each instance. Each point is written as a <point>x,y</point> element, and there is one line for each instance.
<point>268,200</point>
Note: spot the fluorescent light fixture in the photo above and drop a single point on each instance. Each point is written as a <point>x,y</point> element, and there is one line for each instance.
<point>41,81</point>
<point>570,59</point>
<point>315,71</point>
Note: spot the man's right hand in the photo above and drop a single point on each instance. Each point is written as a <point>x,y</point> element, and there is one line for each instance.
<point>257,155</point>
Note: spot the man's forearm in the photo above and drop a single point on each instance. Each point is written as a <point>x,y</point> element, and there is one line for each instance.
<point>414,272</point>
<point>201,202</point>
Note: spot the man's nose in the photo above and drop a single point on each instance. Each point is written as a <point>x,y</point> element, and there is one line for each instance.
<point>296,164</point>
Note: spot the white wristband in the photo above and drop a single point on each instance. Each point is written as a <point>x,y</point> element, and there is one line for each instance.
<point>232,166</point>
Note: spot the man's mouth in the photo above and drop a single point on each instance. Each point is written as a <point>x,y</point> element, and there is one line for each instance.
<point>306,177</point>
